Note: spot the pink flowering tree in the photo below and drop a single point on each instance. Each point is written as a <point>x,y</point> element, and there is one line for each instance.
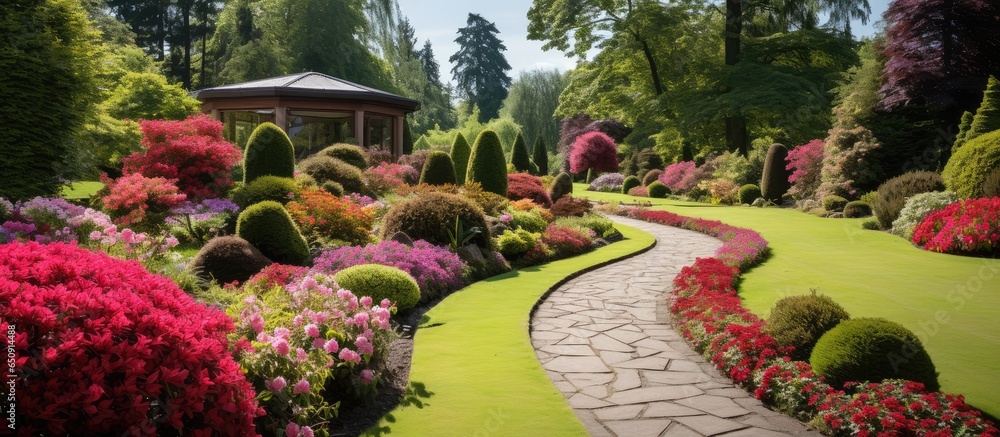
<point>190,151</point>
<point>134,199</point>
<point>593,152</point>
<point>806,165</point>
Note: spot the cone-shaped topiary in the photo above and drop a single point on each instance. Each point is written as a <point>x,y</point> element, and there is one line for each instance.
<point>658,190</point>
<point>561,186</point>
<point>872,350</point>
<point>540,157</point>
<point>268,152</point>
<point>226,259</point>
<point>748,193</point>
<point>431,216</point>
<point>270,229</point>
<point>987,118</point>
<point>421,143</point>
<point>438,169</point>
<point>519,155</point>
<point>348,153</point>
<point>487,165</point>
<point>774,183</point>
<point>630,183</point>
<point>274,188</point>
<point>967,169</point>
<point>800,321</point>
<point>963,130</point>
<point>407,137</point>
<point>380,282</point>
<point>460,152</point>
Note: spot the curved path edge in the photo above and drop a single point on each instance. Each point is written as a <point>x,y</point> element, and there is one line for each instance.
<point>606,341</point>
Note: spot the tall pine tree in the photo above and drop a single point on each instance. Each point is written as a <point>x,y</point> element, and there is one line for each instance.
<point>481,67</point>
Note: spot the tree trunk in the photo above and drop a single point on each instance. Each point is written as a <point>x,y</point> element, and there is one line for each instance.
<point>186,77</point>
<point>204,41</point>
<point>736,127</point>
<point>657,85</point>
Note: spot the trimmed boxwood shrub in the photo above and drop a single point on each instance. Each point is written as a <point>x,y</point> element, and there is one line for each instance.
<point>519,155</point>
<point>460,152</point>
<point>270,229</point>
<point>651,176</point>
<point>348,153</point>
<point>748,193</point>
<point>380,282</point>
<point>526,186</point>
<point>892,194</point>
<point>540,157</point>
<point>991,186</point>
<point>800,321</point>
<point>658,190</point>
<point>630,183</point>
<point>872,350</point>
<point>324,168</point>
<point>276,188</point>
<point>857,209</point>
<point>561,186</point>
<point>430,215</point>
<point>268,152</point>
<point>487,165</point>
<point>333,188</point>
<point>968,167</point>
<point>438,169</point>
<point>226,259</point>
<point>101,339</point>
<point>774,183</point>
<point>834,203</point>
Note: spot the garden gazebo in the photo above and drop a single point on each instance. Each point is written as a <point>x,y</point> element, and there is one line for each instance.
<point>315,110</point>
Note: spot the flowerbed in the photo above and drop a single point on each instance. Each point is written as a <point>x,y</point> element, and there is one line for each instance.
<point>436,269</point>
<point>710,314</point>
<point>968,226</point>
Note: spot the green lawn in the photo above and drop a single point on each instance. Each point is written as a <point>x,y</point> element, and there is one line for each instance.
<point>474,370</point>
<point>951,302</point>
<point>81,190</point>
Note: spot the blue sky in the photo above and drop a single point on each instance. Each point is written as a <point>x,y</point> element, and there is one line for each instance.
<point>438,20</point>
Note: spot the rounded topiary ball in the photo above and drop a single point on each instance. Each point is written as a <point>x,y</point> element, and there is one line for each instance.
<point>834,203</point>
<point>268,152</point>
<point>380,282</point>
<point>348,153</point>
<point>872,350</point>
<point>324,168</point>
<point>429,217</point>
<point>651,176</point>
<point>857,209</point>
<point>799,321</point>
<point>271,230</point>
<point>438,169</point>
<point>630,183</point>
<point>748,193</point>
<point>228,258</point>
<point>658,190</point>
<point>276,188</point>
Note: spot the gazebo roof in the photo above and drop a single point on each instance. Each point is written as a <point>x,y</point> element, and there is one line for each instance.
<point>307,85</point>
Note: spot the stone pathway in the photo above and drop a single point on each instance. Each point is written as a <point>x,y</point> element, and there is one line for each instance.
<point>606,341</point>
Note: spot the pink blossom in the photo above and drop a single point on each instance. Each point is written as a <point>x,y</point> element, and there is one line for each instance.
<point>307,432</point>
<point>280,346</point>
<point>366,301</point>
<point>257,323</point>
<point>297,321</point>
<point>367,376</point>
<point>312,330</point>
<point>331,346</point>
<point>318,343</point>
<point>282,332</point>
<point>278,383</point>
<point>361,319</point>
<point>350,356</point>
<point>95,235</point>
<point>292,430</point>
<point>301,354</point>
<point>364,346</point>
<point>301,387</point>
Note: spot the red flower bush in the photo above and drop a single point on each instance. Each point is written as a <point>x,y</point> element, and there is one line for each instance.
<point>134,198</point>
<point>967,226</point>
<point>191,151</point>
<point>104,346</point>
<point>806,164</point>
<point>565,241</point>
<point>525,186</point>
<point>324,215</point>
<point>593,150</point>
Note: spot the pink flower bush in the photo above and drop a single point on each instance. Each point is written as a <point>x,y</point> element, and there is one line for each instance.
<point>49,219</point>
<point>316,334</point>
<point>386,177</point>
<point>101,343</point>
<point>968,226</point>
<point>593,151</point>
<point>848,164</point>
<point>684,176</point>
<point>136,199</point>
<point>436,269</point>
<point>190,151</point>
<point>806,164</point>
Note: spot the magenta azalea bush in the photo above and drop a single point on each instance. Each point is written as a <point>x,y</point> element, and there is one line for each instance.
<point>135,199</point>
<point>967,226</point>
<point>386,177</point>
<point>436,269</point>
<point>673,174</point>
<point>806,164</point>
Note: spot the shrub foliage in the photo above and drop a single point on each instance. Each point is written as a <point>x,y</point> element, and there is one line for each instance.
<point>228,258</point>
<point>380,282</point>
<point>268,152</point>
<point>270,229</point>
<point>438,170</point>
<point>430,215</point>
<point>800,321</point>
<point>487,165</point>
<point>969,166</point>
<point>892,194</point>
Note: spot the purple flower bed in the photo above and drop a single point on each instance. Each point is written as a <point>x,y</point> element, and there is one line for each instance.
<point>436,269</point>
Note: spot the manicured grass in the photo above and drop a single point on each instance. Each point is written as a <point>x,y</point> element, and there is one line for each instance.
<point>951,302</point>
<point>474,370</point>
<point>81,190</point>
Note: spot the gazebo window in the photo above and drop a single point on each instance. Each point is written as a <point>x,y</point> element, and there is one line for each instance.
<point>311,131</point>
<point>238,125</point>
<point>379,132</point>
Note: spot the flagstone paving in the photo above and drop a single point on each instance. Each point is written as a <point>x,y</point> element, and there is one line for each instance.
<point>606,340</point>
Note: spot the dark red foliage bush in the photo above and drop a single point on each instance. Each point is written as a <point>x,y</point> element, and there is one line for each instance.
<point>191,151</point>
<point>567,206</point>
<point>593,150</point>
<point>526,186</point>
<point>106,348</point>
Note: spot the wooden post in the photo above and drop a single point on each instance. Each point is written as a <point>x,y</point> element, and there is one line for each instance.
<point>281,118</point>
<point>359,127</point>
<point>397,137</point>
